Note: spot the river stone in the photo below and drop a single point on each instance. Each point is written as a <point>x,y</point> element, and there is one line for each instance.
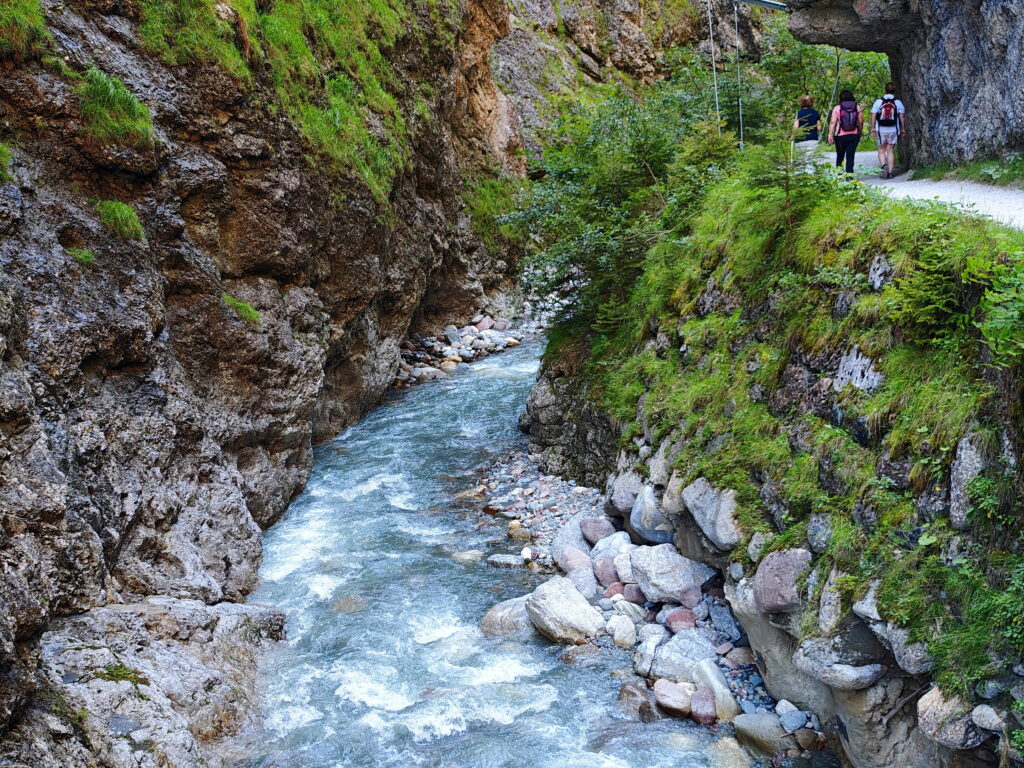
<point>623,491</point>
<point>680,619</point>
<point>818,658</point>
<point>663,573</point>
<point>584,581</point>
<point>561,613</point>
<point>596,528</point>
<point>677,658</point>
<point>624,568</point>
<point>569,535</point>
<point>505,561</point>
<point>632,696</point>
<point>775,583</point>
<point>604,569</point>
<point>613,546</point>
<point>793,720</point>
<point>614,589</point>
<point>706,672</point>
<point>762,733</point>
<point>622,631</point>
<point>506,618</point>
<point>674,698</point>
<point>702,706</point>
<point>726,752</point>
<point>650,636</point>
<point>714,511</point>
<point>571,558</point>
<point>723,621</point>
<point>469,556</point>
<point>634,594</point>
<point>647,521</point>
<point>632,611</point>
<point>948,721</point>
<point>967,465</point>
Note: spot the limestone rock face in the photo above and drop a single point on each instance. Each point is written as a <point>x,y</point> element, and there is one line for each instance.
<point>948,57</point>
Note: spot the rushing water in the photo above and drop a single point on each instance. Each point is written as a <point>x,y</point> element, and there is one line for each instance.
<point>385,665</point>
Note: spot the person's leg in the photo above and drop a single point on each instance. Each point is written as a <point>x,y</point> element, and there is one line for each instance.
<point>881,152</point>
<point>890,150</point>
<point>839,151</point>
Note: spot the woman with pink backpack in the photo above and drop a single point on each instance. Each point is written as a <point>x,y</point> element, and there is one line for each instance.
<point>844,129</point>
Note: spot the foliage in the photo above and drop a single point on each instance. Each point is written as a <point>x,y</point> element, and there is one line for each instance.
<point>111,112</point>
<point>23,31</point>
<point>1006,171</point>
<point>488,201</point>
<point>1002,308</point>
<point>120,219</point>
<point>81,255</point>
<point>243,309</point>
<point>5,164</point>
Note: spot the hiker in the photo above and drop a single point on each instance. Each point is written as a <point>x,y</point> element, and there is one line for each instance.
<point>844,129</point>
<point>807,124</point>
<point>887,126</point>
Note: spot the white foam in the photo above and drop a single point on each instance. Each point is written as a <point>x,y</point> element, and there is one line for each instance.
<point>285,718</point>
<point>375,483</point>
<point>405,500</point>
<point>503,670</point>
<point>323,586</point>
<point>456,712</point>
<point>430,629</point>
<point>361,688</point>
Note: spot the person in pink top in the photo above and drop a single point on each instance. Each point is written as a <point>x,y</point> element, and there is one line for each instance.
<point>845,128</point>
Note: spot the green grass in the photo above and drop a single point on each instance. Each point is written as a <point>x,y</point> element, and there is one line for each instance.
<point>1008,171</point>
<point>23,31</point>
<point>487,201</point>
<point>110,112</point>
<point>5,164</point>
<point>243,309</point>
<point>120,219</point>
<point>81,255</point>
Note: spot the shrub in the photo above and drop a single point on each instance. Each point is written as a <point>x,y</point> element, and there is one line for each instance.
<point>23,31</point>
<point>81,255</point>
<point>243,309</point>
<point>120,219</point>
<point>111,112</point>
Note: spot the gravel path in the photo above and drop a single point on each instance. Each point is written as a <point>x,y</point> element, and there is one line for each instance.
<point>1002,204</point>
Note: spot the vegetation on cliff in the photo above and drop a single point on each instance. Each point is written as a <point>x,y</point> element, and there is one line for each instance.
<point>707,290</point>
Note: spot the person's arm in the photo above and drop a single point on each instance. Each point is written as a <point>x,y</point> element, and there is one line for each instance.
<point>860,120</point>
<point>796,124</point>
<point>902,117</point>
<point>832,127</point>
<point>874,123</point>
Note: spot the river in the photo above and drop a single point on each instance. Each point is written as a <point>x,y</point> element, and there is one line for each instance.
<point>385,664</point>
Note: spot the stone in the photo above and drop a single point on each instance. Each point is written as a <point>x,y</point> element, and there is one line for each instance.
<point>741,657</point>
<point>830,605</point>
<point>614,589</point>
<point>604,569</point>
<point>986,717</point>
<point>867,607</point>
<point>561,613</point>
<point>672,697</point>
<point>650,637</point>
<point>586,654</point>
<point>762,734</point>
<point>857,370</point>
<point>702,707</point>
<point>571,558</point>
<point>613,546</point>
<point>776,581</point>
<point>707,673</point>
<point>647,521</point>
<point>947,721</point>
<point>758,541</point>
<point>726,752</point>
<point>622,631</point>
<point>521,535</point>
<point>806,739</point>
<point>505,561</point>
<point>722,619</point>
<point>680,619</point>
<point>782,706</point>
<point>714,511</point>
<point>584,581</point>
<point>624,568</point>
<point>879,272</point>
<point>691,596</point>
<point>819,532</point>
<point>677,658</point>
<point>569,536</point>
<point>623,491</point>
<point>819,658</point>
<point>967,465</point>
<point>632,611</point>
<point>349,604</point>
<point>663,573</point>
<point>793,720</point>
<point>469,556</point>
<point>912,658</point>
<point>634,594</point>
<point>507,618</point>
<point>596,528</point>
<point>632,696</point>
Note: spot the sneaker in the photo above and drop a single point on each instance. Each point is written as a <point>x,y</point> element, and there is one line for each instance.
<point>885,175</point>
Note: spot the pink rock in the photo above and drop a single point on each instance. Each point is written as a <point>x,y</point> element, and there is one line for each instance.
<point>634,594</point>
<point>702,706</point>
<point>723,649</point>
<point>485,325</point>
<point>571,558</point>
<point>672,697</point>
<point>690,596</point>
<point>680,619</point>
<point>741,656</point>
<point>596,528</point>
<point>614,589</point>
<point>605,571</point>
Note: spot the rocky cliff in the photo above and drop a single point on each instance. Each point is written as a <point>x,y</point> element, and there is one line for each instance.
<point>958,66</point>
<point>219,221</point>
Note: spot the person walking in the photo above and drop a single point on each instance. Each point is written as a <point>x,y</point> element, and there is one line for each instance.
<point>807,124</point>
<point>845,128</point>
<point>887,126</point>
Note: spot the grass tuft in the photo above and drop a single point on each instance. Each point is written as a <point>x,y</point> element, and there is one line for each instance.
<point>5,164</point>
<point>120,219</point>
<point>23,31</point>
<point>111,112</point>
<point>243,309</point>
<point>81,255</point>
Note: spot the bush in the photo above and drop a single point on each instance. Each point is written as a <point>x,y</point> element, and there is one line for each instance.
<point>23,31</point>
<point>120,219</point>
<point>243,309</point>
<point>111,112</point>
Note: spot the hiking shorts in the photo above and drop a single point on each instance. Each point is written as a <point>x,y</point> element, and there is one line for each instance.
<point>888,137</point>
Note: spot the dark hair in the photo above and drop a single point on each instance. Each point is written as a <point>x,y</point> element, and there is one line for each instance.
<point>846,96</point>
<point>890,88</point>
<point>806,101</point>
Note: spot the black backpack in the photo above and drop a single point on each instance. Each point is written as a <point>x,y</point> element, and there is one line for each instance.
<point>888,113</point>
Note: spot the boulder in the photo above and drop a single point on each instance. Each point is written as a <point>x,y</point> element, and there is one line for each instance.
<point>624,568</point>
<point>714,511</point>
<point>663,573</point>
<point>571,558</point>
<point>947,721</point>
<point>707,673</point>
<point>596,528</point>
<point>604,569</point>
<point>775,583</point>
<point>647,521</point>
<point>677,658</point>
<point>762,733</point>
<point>612,546</point>
<point>622,631</point>
<point>561,613</point>
<point>680,619</point>
<point>702,706</point>
<point>623,490</point>
<point>985,716</point>
<point>569,535</point>
<point>819,658</point>
<point>722,619</point>
<point>507,618</point>
<point>634,594</point>
<point>614,589</point>
<point>584,581</point>
<point>650,636</point>
<point>674,698</point>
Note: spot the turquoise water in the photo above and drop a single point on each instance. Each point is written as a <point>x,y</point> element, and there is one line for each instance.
<point>385,665</point>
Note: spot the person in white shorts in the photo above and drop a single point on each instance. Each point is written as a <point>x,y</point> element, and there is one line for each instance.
<point>887,126</point>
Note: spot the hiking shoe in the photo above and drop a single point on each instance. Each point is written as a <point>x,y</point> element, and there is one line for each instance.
<point>885,175</point>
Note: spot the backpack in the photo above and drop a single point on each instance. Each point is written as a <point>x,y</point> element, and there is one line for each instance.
<point>888,113</point>
<point>848,117</point>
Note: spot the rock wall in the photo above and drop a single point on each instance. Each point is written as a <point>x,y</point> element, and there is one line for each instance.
<point>958,66</point>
